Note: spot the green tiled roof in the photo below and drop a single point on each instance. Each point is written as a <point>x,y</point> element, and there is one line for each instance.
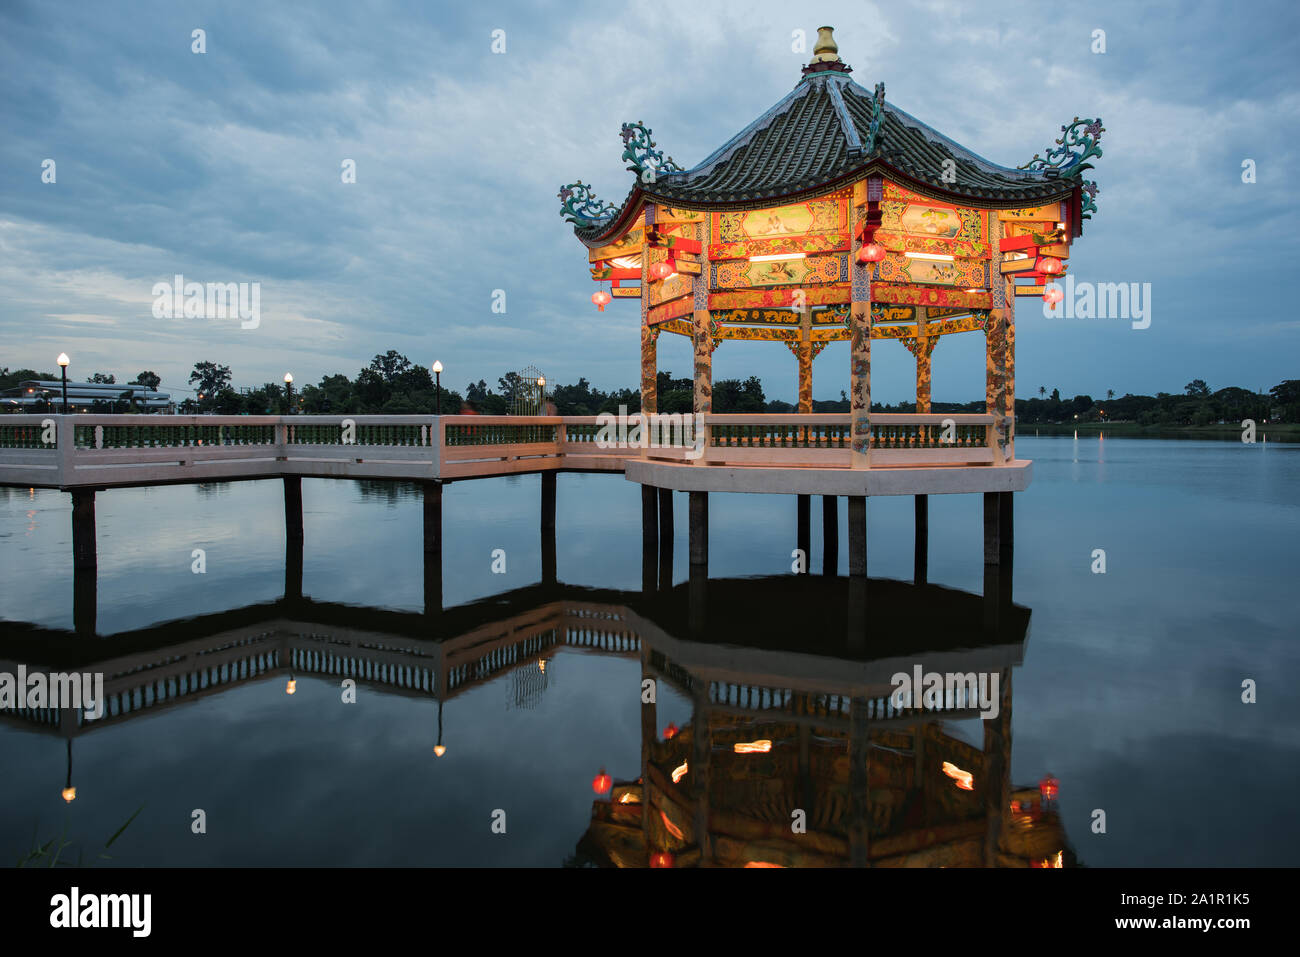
<point>820,135</point>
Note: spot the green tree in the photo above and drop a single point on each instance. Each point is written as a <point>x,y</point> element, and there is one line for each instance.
<point>103,379</point>
<point>150,380</point>
<point>1197,389</point>
<point>210,378</point>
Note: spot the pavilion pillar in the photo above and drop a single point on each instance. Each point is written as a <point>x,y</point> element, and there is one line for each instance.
<point>703,339</point>
<point>1009,369</point>
<point>804,354</point>
<point>924,348</point>
<point>995,399</point>
<point>649,735</point>
<point>649,369</point>
<point>860,332</point>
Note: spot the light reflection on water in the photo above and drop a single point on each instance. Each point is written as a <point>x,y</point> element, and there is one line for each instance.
<point>1129,691</point>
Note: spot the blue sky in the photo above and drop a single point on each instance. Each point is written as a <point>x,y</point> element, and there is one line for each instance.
<point>225,167</point>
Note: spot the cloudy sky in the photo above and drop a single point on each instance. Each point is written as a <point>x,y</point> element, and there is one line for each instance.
<point>225,167</point>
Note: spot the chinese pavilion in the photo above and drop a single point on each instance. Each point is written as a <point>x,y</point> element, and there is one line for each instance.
<point>837,216</point>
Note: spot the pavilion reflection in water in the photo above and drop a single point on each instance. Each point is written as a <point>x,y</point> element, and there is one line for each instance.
<point>784,720</point>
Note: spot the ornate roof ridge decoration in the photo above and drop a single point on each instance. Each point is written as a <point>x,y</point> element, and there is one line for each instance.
<point>1073,148</point>
<point>877,116</point>
<point>578,205</point>
<point>639,151</point>
<point>1069,159</point>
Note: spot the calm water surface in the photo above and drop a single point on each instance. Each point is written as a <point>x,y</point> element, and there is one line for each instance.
<point>1127,688</point>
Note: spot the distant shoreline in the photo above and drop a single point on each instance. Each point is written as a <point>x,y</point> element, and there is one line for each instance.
<point>1281,432</point>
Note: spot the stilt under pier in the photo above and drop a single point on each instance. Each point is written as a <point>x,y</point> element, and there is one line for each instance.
<point>649,539</point>
<point>921,550</point>
<point>432,493</point>
<point>830,536</point>
<point>85,562</point>
<point>548,528</point>
<point>857,536</point>
<point>803,533</point>
<point>665,539</point>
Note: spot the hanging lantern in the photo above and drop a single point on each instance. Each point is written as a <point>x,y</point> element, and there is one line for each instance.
<point>602,782</point>
<point>1053,294</point>
<point>601,298</point>
<point>69,794</point>
<point>662,859</point>
<point>670,732</point>
<point>1049,787</point>
<point>291,687</point>
<point>1048,265</point>
<point>871,253</point>
<point>660,270</point>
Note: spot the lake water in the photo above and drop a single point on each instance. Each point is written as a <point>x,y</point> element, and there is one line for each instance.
<point>1127,688</point>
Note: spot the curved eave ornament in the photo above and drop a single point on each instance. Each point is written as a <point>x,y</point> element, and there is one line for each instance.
<point>1076,145</point>
<point>579,206</point>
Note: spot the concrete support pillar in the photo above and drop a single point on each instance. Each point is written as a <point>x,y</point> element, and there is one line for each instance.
<point>921,553</point>
<point>293,506</point>
<point>857,536</point>
<point>432,547</point>
<point>649,369</point>
<point>703,340</point>
<point>699,531</point>
<point>665,539</point>
<point>649,538</point>
<point>548,528</point>
<point>803,532</point>
<point>830,536</point>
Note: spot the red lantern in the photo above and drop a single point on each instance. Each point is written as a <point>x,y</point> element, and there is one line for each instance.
<point>660,270</point>
<point>601,298</point>
<point>871,253</point>
<point>1048,265</point>
<point>1049,787</point>
<point>662,859</point>
<point>670,731</point>
<point>1053,294</point>
<point>602,782</point>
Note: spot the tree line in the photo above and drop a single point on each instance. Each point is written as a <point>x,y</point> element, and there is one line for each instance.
<point>393,385</point>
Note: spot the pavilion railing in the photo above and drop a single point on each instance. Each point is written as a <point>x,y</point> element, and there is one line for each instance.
<point>109,450</point>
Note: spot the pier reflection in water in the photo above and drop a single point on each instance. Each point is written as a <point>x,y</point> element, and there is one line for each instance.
<point>793,753</point>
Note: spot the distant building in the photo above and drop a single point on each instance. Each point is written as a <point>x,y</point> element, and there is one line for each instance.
<point>42,395</point>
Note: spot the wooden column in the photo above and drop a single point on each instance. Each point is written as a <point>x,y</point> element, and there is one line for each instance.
<point>432,494</point>
<point>830,536</point>
<point>649,538</point>
<point>803,532</point>
<point>857,536</point>
<point>548,528</point>
<point>921,552</point>
<point>665,539</point>
<point>649,369</point>
<point>703,340</point>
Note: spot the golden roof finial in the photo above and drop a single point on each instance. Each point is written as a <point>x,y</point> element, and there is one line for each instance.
<point>825,50</point>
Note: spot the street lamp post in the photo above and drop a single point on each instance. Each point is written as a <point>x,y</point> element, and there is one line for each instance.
<point>541,394</point>
<point>437,387</point>
<point>288,385</point>
<point>63,367</point>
